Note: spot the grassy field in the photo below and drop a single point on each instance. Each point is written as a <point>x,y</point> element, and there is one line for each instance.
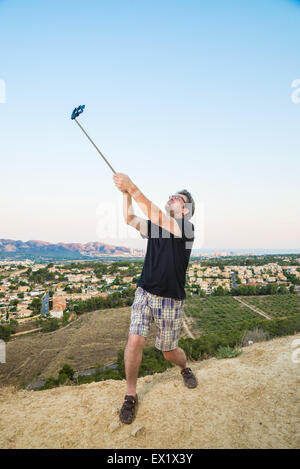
<point>214,314</point>
<point>276,306</point>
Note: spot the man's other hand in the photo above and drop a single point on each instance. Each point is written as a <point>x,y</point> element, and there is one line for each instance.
<point>122,182</point>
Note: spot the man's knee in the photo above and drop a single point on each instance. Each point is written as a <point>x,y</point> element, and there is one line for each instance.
<point>168,354</point>
<point>135,342</point>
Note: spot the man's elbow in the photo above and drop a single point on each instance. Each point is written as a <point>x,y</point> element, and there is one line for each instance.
<point>127,221</point>
<point>130,220</point>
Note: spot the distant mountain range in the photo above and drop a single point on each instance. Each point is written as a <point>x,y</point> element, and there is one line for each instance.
<point>42,250</point>
<point>11,249</point>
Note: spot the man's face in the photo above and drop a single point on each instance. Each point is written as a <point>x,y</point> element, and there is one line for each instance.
<point>175,205</point>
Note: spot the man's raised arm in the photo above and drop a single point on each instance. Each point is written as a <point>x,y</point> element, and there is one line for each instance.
<point>131,218</point>
<point>154,213</point>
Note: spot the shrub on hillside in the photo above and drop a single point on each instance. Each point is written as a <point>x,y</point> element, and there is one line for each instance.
<point>62,378</point>
<point>50,325</point>
<point>66,370</point>
<point>153,361</point>
<point>50,383</point>
<point>255,335</point>
<point>98,376</point>
<point>5,332</point>
<point>228,352</point>
<point>66,317</point>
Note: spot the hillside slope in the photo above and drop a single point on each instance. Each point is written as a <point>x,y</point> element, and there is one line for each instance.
<point>95,337</point>
<point>251,401</point>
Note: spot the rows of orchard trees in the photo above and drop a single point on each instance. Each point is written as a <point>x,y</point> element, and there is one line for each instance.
<point>247,290</point>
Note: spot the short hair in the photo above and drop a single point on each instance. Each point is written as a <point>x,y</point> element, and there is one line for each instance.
<point>190,201</point>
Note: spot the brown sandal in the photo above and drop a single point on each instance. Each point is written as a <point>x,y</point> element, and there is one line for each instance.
<point>128,409</point>
<point>189,378</point>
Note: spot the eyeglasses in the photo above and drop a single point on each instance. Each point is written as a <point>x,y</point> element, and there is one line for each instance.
<point>177,197</point>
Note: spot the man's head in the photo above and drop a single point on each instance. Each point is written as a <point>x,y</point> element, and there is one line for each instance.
<point>181,205</point>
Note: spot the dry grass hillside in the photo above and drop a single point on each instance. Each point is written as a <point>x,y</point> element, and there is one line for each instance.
<point>95,337</point>
<point>251,401</point>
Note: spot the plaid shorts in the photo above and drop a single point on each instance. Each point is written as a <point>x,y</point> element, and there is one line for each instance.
<point>166,312</point>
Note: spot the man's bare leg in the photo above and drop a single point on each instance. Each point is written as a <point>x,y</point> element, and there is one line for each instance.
<point>133,357</point>
<point>176,356</point>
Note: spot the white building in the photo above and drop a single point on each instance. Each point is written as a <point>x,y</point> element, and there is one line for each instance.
<point>56,314</point>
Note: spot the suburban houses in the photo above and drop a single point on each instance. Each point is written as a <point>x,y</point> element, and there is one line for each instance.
<point>23,284</point>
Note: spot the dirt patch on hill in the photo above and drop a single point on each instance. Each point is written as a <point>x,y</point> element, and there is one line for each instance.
<point>251,401</point>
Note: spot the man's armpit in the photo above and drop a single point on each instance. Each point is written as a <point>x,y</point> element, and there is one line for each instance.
<point>144,228</point>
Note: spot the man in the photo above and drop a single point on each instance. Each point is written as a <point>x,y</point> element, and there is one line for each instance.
<point>160,294</point>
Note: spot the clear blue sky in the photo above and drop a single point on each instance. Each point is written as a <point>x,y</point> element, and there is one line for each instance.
<point>178,94</point>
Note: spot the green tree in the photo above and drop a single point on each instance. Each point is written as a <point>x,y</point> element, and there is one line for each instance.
<point>51,382</point>
<point>13,324</point>
<point>66,316</point>
<point>67,370</point>
<point>36,305</point>
<point>50,325</point>
<point>62,378</point>
<point>282,290</point>
<point>5,332</point>
<point>219,291</point>
<point>271,289</point>
<point>23,284</point>
<point>116,281</point>
<point>292,289</point>
<point>14,302</point>
<point>113,268</point>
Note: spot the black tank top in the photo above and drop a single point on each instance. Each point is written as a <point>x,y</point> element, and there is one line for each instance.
<point>166,261</point>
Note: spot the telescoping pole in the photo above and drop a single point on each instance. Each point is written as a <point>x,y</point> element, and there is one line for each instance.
<point>78,110</point>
